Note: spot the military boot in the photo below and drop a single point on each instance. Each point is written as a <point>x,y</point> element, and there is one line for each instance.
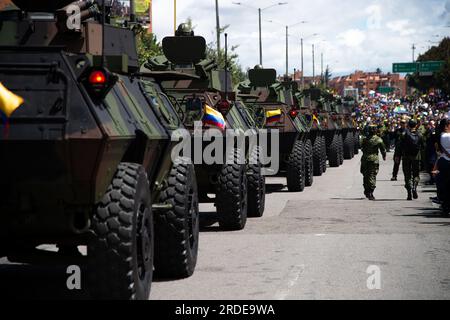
<point>371,196</point>
<point>409,195</point>
<point>367,193</point>
<point>414,193</point>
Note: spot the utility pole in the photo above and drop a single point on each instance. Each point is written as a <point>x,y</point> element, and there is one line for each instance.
<point>218,29</point>
<point>303,69</point>
<point>287,50</point>
<point>314,64</point>
<point>260,38</point>
<point>174,16</point>
<point>321,66</point>
<point>132,11</point>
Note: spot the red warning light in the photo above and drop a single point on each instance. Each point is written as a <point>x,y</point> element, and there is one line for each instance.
<point>97,77</point>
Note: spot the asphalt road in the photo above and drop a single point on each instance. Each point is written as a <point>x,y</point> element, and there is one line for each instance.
<point>319,244</point>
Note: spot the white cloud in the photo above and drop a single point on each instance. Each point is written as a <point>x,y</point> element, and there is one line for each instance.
<point>352,38</point>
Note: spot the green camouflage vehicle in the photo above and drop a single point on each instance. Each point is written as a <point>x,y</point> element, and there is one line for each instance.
<point>86,158</point>
<point>273,107</point>
<point>344,109</point>
<point>321,105</point>
<point>199,90</point>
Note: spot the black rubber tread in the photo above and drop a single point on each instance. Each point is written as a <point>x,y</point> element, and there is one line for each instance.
<point>122,217</point>
<point>317,157</point>
<point>256,186</point>
<point>231,199</point>
<point>309,174</point>
<point>334,152</point>
<point>295,171</point>
<point>348,146</point>
<point>356,142</point>
<point>341,149</point>
<point>177,230</point>
<point>324,154</point>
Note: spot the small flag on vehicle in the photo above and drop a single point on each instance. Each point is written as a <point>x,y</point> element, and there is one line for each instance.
<point>9,102</point>
<point>213,118</point>
<point>273,116</point>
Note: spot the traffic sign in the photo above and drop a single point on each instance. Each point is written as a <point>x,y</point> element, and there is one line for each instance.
<point>422,67</point>
<point>405,67</point>
<point>142,6</point>
<point>430,66</point>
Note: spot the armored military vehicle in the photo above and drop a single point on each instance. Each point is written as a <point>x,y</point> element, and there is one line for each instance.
<point>203,95</point>
<point>86,158</point>
<point>321,104</point>
<point>272,103</point>
<point>344,109</point>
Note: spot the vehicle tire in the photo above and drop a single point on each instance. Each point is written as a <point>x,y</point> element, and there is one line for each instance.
<point>120,255</point>
<point>341,149</point>
<point>356,141</point>
<point>295,173</point>
<point>324,154</point>
<point>334,152</point>
<point>231,200</point>
<point>256,186</point>
<point>177,230</point>
<point>348,146</point>
<point>317,156</point>
<point>309,166</point>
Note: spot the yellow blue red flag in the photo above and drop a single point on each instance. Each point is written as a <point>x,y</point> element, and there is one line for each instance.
<point>273,116</point>
<point>9,102</point>
<point>316,119</point>
<point>213,118</point>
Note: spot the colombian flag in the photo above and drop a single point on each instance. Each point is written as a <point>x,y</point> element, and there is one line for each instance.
<point>213,118</point>
<point>273,116</point>
<point>316,119</point>
<point>9,102</point>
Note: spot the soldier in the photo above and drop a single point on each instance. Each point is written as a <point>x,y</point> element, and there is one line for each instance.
<point>409,147</point>
<point>371,145</point>
<point>184,30</point>
<point>397,156</point>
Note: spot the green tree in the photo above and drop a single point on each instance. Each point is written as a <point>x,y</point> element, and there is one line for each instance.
<point>441,79</point>
<point>147,45</point>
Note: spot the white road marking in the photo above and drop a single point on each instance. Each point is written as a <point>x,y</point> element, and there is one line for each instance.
<point>293,276</point>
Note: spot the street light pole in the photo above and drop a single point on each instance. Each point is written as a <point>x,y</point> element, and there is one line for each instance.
<point>303,69</point>
<point>287,50</point>
<point>260,38</point>
<point>413,52</point>
<point>314,64</point>
<point>174,16</point>
<point>218,29</point>
<point>321,66</point>
<point>260,24</point>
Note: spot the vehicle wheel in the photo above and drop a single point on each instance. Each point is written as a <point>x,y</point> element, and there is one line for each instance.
<point>120,256</point>
<point>296,168</point>
<point>334,152</point>
<point>177,230</point>
<point>348,146</point>
<point>309,166</point>
<point>231,200</point>
<point>341,149</point>
<point>317,157</point>
<point>256,186</point>
<point>324,154</point>
<point>356,141</point>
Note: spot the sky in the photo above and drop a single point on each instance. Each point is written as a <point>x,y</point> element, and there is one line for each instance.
<point>352,34</point>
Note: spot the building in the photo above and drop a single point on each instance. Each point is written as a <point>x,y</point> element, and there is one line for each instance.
<point>366,82</point>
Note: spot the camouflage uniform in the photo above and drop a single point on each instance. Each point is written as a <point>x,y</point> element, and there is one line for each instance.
<point>411,165</point>
<point>370,164</point>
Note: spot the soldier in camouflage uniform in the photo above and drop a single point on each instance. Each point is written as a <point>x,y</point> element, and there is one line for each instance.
<point>409,147</point>
<point>371,145</point>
